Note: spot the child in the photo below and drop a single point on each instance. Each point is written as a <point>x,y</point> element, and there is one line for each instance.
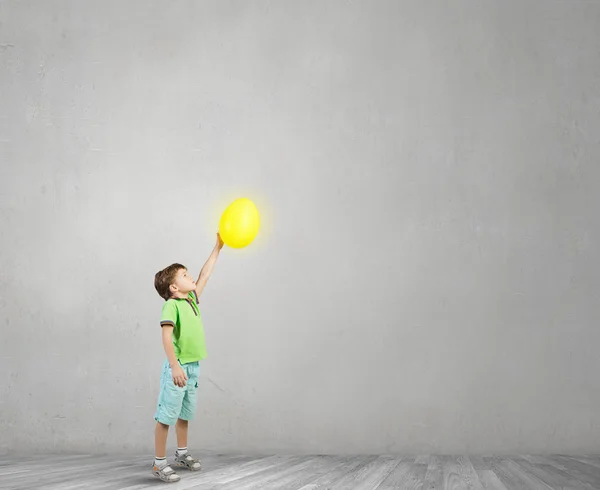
<point>183,340</point>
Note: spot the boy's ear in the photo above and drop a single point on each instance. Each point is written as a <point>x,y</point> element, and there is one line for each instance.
<point>173,288</point>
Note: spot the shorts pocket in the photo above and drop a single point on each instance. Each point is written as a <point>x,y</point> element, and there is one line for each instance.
<point>172,395</point>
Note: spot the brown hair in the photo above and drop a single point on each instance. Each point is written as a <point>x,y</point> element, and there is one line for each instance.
<point>163,280</point>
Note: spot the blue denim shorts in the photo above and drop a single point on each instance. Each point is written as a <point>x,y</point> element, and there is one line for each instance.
<point>176,402</point>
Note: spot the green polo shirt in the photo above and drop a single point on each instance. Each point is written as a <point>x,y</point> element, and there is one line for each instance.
<point>188,332</point>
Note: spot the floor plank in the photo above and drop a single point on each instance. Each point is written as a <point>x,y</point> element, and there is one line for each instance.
<point>319,466</point>
<point>244,469</point>
<point>270,476</point>
<point>489,480</point>
<point>346,466</point>
<point>371,475</point>
<point>581,472</point>
<point>533,482</point>
<point>478,463</point>
<point>506,475</point>
<point>351,479</point>
<point>462,471</point>
<point>408,475</point>
<point>551,476</point>
<point>434,478</point>
<point>588,460</point>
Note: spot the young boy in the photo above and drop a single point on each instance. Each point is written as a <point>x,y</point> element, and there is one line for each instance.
<point>183,340</point>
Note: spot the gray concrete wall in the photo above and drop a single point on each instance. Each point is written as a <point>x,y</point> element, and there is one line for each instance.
<point>427,275</point>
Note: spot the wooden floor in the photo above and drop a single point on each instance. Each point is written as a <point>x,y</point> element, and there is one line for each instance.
<point>309,473</point>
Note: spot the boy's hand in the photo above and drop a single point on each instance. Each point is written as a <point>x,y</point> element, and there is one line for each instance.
<point>220,242</point>
<point>179,377</point>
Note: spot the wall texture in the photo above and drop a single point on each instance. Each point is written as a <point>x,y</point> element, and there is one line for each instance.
<point>428,272</point>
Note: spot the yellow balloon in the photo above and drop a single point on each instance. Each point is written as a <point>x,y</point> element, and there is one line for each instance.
<point>239,223</point>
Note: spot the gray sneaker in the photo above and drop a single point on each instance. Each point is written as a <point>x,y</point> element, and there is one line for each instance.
<point>186,461</point>
<point>165,473</point>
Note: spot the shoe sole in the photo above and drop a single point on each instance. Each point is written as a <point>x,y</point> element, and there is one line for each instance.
<point>166,481</point>
<point>185,467</point>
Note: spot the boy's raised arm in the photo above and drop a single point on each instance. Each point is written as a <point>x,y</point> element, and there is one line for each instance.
<point>208,266</point>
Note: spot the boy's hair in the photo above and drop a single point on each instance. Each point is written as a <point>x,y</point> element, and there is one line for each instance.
<point>163,280</point>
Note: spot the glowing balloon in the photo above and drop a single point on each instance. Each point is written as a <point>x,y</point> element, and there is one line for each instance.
<point>239,223</point>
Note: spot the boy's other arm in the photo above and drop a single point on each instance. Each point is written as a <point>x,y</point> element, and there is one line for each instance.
<point>208,266</point>
<point>179,377</point>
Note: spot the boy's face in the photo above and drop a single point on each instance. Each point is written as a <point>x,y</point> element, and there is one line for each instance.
<point>184,283</point>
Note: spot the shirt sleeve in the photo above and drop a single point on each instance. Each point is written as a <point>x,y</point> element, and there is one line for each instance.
<point>194,297</point>
<point>169,314</point>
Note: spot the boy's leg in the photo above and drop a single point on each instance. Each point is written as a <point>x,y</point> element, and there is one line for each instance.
<point>188,408</point>
<point>182,458</point>
<point>160,440</point>
<point>161,468</point>
<point>181,428</point>
<point>170,400</point>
